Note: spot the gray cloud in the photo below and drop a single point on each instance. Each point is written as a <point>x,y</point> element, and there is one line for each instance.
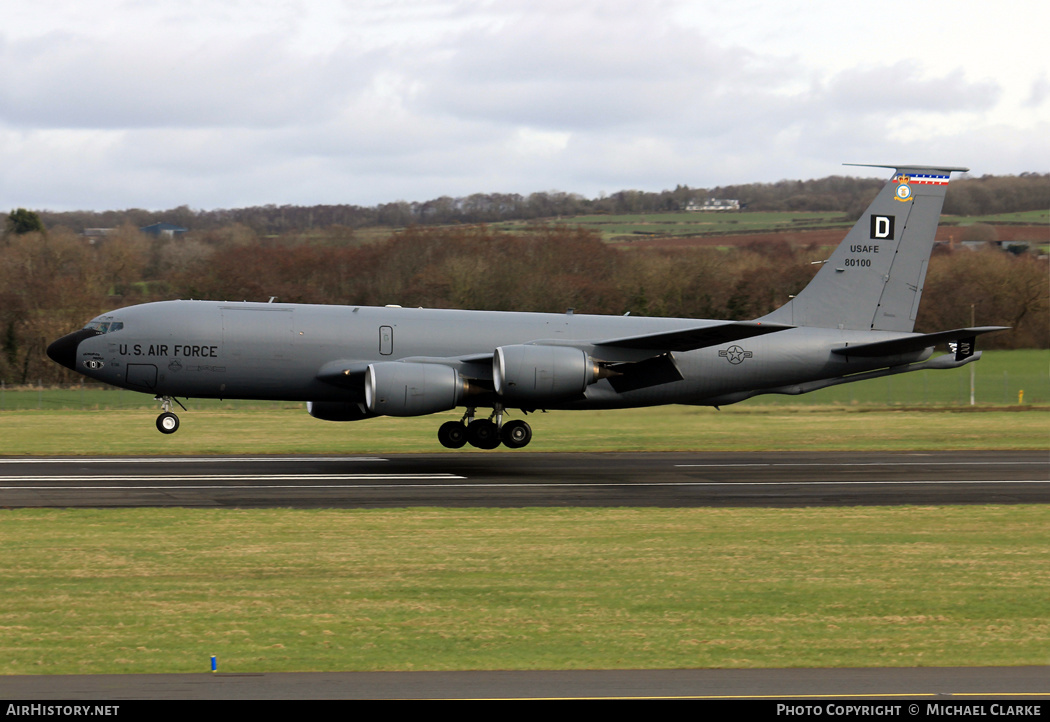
<point>898,88</point>
<point>1039,92</point>
<point>371,102</point>
<point>72,81</point>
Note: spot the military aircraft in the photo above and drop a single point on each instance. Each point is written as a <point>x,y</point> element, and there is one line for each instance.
<point>852,322</point>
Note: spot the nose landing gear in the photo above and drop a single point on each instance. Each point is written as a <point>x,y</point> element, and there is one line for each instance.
<point>167,422</point>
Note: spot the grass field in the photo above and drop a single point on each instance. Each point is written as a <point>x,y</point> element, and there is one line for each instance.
<point>674,428</point>
<point>618,227</point>
<point>154,590</point>
<point>625,226</point>
<point>1033,218</point>
<point>160,590</point>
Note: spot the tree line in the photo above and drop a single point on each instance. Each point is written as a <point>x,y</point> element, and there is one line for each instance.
<point>969,197</point>
<point>52,282</point>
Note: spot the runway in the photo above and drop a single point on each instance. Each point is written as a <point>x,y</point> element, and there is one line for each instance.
<point>531,479</point>
<point>946,686</point>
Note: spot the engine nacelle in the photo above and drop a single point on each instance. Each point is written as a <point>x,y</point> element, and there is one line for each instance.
<point>393,388</point>
<point>338,410</point>
<point>542,373</point>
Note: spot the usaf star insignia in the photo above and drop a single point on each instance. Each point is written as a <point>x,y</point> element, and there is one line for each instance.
<point>734,354</point>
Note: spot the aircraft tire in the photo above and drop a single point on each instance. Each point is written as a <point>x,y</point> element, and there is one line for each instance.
<point>167,423</point>
<point>483,434</point>
<point>452,435</point>
<point>516,434</point>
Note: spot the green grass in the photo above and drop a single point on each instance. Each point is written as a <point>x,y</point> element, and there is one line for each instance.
<point>1000,377</point>
<point>1034,218</point>
<point>160,590</point>
<point>627,226</point>
<point>621,227</point>
<point>673,428</point>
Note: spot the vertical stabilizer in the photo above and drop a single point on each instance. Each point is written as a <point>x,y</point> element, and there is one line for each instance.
<point>873,280</point>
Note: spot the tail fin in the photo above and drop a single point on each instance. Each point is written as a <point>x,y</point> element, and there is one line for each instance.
<point>873,280</point>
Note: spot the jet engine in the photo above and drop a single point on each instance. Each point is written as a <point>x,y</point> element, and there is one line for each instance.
<point>338,411</point>
<point>393,388</point>
<point>543,373</point>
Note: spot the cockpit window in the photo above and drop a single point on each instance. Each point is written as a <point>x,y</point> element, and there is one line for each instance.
<point>105,326</point>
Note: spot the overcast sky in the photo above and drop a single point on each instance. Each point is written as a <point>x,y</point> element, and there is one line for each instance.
<point>115,104</point>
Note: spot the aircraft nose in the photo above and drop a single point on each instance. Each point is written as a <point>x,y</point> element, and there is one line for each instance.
<point>64,350</point>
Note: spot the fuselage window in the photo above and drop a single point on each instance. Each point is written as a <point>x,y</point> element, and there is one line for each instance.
<point>105,326</point>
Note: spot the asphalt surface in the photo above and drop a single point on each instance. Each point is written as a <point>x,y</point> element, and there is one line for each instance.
<point>524,479</point>
<point>1021,685</point>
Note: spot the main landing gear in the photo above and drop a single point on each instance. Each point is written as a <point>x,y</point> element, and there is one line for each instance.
<point>167,422</point>
<point>485,433</point>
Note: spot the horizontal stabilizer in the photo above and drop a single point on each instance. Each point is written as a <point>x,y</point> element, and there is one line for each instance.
<point>910,344</point>
<point>910,167</point>
<point>694,338</point>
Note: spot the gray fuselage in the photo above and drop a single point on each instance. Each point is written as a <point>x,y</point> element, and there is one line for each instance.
<point>207,349</point>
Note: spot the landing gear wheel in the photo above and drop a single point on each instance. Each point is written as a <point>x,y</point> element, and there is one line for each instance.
<point>516,434</point>
<point>483,434</point>
<point>167,423</point>
<point>452,435</point>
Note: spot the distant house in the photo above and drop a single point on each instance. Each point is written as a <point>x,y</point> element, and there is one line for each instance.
<point>169,230</point>
<point>94,233</point>
<point>714,205</point>
<point>1015,247</point>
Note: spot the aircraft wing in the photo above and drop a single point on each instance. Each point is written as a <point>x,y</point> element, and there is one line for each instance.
<point>693,338</point>
<point>350,373</point>
<point>908,344</point>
